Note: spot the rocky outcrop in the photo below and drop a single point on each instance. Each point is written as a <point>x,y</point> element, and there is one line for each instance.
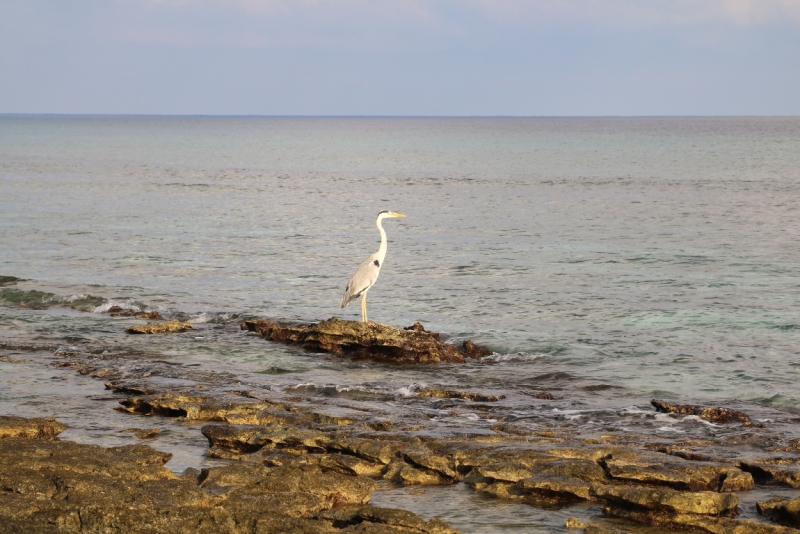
<point>714,415</point>
<point>368,340</point>
<point>781,510</point>
<point>48,485</point>
<point>20,427</point>
<point>160,328</point>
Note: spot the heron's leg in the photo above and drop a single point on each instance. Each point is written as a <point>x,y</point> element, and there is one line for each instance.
<point>364,308</point>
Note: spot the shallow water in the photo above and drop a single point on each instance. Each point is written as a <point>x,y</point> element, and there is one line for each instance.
<point>607,261</point>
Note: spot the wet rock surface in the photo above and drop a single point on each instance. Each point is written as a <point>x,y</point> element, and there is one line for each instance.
<point>782,510</point>
<point>715,415</point>
<point>20,427</point>
<point>49,485</point>
<point>296,464</point>
<point>119,311</point>
<point>368,340</point>
<point>160,328</point>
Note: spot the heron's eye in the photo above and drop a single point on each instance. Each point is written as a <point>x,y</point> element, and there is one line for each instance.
<point>377,263</point>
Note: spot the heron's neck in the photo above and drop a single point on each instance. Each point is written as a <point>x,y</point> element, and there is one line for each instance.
<point>382,249</point>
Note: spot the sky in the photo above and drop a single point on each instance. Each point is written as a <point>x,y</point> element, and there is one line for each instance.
<point>401,57</point>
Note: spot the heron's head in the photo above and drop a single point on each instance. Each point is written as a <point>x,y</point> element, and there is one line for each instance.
<point>386,213</point>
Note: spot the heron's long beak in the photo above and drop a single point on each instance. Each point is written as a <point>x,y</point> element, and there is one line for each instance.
<point>395,214</point>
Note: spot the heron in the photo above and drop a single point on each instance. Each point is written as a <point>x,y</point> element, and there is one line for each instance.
<point>367,273</point>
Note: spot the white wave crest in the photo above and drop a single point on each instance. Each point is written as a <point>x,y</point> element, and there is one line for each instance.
<point>515,357</point>
<point>127,304</point>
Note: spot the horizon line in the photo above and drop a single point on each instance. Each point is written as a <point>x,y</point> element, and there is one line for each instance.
<point>299,116</point>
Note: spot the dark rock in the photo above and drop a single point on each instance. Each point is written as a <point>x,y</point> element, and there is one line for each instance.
<point>715,415</point>
<point>143,433</point>
<point>119,311</point>
<point>766,473</point>
<point>781,510</point>
<point>450,394</point>
<point>362,340</point>
<point>160,328</point>
<point>471,350</point>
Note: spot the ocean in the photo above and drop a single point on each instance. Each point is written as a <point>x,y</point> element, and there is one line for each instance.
<point>607,261</point>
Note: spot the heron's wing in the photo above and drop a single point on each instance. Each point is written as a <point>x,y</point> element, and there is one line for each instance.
<point>363,279</point>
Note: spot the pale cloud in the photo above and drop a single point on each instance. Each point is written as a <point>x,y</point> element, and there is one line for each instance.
<point>412,24</point>
<point>628,13</point>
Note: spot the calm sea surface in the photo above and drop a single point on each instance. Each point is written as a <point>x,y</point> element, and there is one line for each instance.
<point>606,260</point>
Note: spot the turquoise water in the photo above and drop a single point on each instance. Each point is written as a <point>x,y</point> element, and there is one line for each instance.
<point>658,255</point>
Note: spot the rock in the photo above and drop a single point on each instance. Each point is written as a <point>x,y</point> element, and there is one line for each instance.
<point>782,475</point>
<point>663,469</point>
<point>50,485</point>
<point>363,340</point>
<point>377,520</point>
<point>191,407</point>
<point>450,394</point>
<point>715,415</point>
<point>160,328</point>
<point>574,522</point>
<point>695,522</point>
<point>20,427</point>
<point>471,350</point>
<point>781,510</point>
<point>152,315</point>
<point>119,311</point>
<point>555,489</point>
<point>700,502</point>
<point>143,433</point>
<point>400,472</point>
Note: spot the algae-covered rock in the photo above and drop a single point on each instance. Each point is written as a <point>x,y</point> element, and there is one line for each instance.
<point>766,473</point>
<point>20,427</point>
<point>781,510</point>
<point>378,520</point>
<point>694,522</point>
<point>700,502</point>
<point>191,407</point>
<point>366,340</point>
<point>60,486</point>
<point>160,328</point>
<point>662,469</point>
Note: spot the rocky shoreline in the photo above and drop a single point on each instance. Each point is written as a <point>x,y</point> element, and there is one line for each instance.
<point>297,465</point>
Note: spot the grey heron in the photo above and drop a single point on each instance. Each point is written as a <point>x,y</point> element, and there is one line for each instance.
<point>367,273</point>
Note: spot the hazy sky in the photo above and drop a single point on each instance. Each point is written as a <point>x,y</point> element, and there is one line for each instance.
<point>403,57</point>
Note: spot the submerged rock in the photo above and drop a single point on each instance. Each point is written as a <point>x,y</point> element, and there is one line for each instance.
<point>450,394</point>
<point>715,415</point>
<point>368,340</point>
<point>160,328</point>
<point>119,311</point>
